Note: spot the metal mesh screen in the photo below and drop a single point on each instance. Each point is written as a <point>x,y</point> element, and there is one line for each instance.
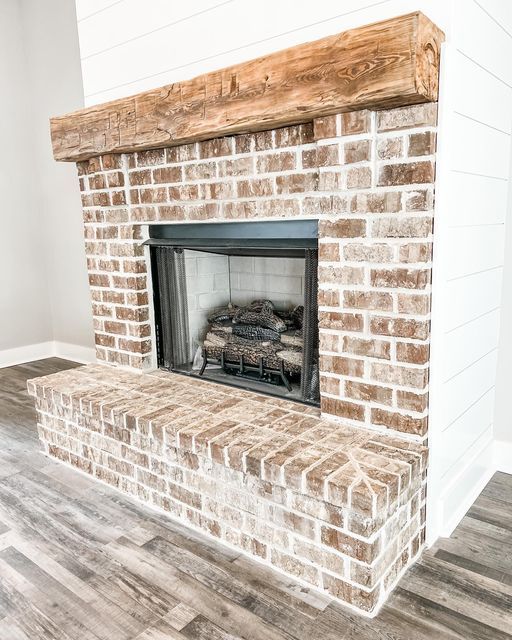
<point>310,379</point>
<point>172,289</point>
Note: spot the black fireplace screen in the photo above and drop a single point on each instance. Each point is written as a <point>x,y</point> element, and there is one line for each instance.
<point>237,303</point>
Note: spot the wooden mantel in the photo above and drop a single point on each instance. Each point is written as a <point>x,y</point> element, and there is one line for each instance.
<point>382,65</point>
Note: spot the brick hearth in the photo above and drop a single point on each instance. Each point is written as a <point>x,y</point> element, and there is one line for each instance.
<point>339,508</point>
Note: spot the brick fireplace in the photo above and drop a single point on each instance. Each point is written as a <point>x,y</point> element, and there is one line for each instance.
<point>333,497</point>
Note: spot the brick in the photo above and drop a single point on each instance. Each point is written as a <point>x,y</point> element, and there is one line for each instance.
<point>360,598</point>
<point>294,135</point>
<point>325,127</point>
<point>217,190</point>
<point>412,401</point>
<point>352,547</point>
<point>272,162</point>
<point>383,202</point>
<point>400,278</point>
<point>111,161</point>
<point>135,346</point>
<point>121,466</point>
<point>256,187</point>
<point>118,198</point>
<point>402,376</point>
<point>182,153</point>
<point>263,140</point>
<point>295,567</point>
<point>236,167</point>
<point>398,227</point>
<point>330,341</point>
<point>355,122</point>
<point>367,347</point>
<point>400,327</point>
<point>340,321</point>
<point>200,171</point>
<point>321,156</point>
<point>101,199</point>
<point>399,422</point>
<point>368,300</point>
<point>413,353</point>
<point>340,275</point>
<point>359,178</point>
<point>118,328</point>
<point>357,151</point>
<point>184,192</point>
<point>167,174</point>
<point>407,117</point>
<point>149,196</point>
<point>172,212</point>
<point>343,409</point>
<point>407,173</point>
<point>216,148</point>
<point>328,252</point>
<point>410,303</point>
<point>140,177</point>
<point>345,228</point>
<point>421,200</point>
<point>415,252</point>
<point>342,365</point>
<point>330,385</point>
<point>297,183</point>
<point>150,158</point>
<point>240,209</point>
<point>320,205</point>
<point>368,392</point>
<point>422,144</point>
<point>104,340</point>
<point>390,148</point>
<point>99,280</point>
<point>97,182</point>
<point>368,253</point>
<point>330,181</point>
<point>328,298</point>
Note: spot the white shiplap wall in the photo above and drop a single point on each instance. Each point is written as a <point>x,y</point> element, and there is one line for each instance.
<point>129,46</point>
<point>471,205</point>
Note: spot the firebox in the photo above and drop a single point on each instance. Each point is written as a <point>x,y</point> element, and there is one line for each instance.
<point>236,303</point>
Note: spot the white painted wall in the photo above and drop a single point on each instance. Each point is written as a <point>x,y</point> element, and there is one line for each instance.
<point>44,306</point>
<point>471,204</point>
<point>125,50</point>
<point>25,315</point>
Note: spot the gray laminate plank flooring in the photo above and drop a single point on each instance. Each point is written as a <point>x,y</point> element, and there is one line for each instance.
<point>79,561</point>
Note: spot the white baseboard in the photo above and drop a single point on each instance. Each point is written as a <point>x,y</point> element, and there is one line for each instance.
<point>461,493</point>
<point>27,353</point>
<point>50,349</point>
<point>503,456</point>
<point>74,352</point>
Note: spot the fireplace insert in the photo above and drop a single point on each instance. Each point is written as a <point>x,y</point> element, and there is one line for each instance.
<point>237,303</point>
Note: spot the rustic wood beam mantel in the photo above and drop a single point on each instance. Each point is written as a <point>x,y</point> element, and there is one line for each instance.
<point>382,65</point>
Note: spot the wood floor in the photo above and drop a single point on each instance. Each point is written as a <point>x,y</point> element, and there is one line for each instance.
<point>79,561</point>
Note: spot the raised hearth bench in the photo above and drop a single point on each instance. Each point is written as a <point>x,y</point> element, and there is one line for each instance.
<point>339,508</point>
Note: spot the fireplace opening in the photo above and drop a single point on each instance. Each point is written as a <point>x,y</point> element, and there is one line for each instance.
<point>236,303</point>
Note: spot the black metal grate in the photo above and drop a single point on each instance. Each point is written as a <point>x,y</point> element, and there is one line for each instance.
<point>171,291</point>
<point>310,378</point>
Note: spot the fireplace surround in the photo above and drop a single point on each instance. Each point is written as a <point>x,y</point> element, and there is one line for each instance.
<point>332,497</point>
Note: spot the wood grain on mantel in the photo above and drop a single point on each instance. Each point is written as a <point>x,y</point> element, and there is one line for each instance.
<point>383,65</point>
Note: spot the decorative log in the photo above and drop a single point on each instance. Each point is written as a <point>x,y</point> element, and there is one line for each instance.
<point>388,64</point>
<point>251,350</point>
